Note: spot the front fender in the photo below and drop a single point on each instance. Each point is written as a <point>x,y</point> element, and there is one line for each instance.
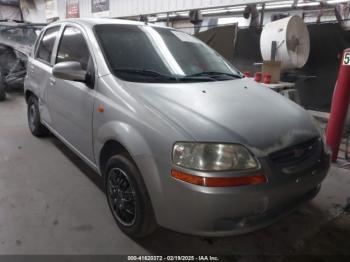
<point>124,134</point>
<point>139,150</point>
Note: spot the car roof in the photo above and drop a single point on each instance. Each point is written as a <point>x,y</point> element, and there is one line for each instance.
<point>91,22</point>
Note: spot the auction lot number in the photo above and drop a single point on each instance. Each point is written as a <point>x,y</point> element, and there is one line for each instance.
<point>346,60</point>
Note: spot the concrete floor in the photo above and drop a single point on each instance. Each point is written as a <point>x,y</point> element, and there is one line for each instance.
<point>52,203</point>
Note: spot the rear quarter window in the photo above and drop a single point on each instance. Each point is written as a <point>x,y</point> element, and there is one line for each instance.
<point>37,42</point>
<point>45,48</point>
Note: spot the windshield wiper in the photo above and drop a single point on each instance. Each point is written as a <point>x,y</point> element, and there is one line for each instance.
<point>155,74</point>
<point>144,72</point>
<point>213,74</point>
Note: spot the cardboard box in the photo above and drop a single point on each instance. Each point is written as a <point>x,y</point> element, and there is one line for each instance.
<point>274,69</point>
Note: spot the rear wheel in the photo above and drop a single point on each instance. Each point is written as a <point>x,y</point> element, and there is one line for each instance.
<point>35,126</point>
<point>127,197</point>
<point>2,87</point>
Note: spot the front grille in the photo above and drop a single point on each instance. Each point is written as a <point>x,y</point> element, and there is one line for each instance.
<point>297,153</point>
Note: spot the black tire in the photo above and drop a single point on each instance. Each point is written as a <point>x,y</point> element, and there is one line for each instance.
<point>127,197</point>
<point>2,87</point>
<point>33,114</point>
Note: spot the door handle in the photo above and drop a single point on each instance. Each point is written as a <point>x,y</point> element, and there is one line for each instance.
<point>52,81</point>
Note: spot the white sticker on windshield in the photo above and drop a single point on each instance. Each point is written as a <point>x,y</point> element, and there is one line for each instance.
<point>185,37</point>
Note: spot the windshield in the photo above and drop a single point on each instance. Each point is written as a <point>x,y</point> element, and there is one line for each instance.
<point>150,54</point>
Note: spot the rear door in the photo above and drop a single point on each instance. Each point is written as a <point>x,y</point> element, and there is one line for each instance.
<point>71,103</point>
<point>40,68</point>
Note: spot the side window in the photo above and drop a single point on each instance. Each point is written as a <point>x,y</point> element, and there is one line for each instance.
<point>46,45</point>
<point>73,47</point>
<point>37,42</point>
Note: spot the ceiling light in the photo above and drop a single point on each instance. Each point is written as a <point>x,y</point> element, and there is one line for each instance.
<point>152,19</point>
<point>218,11</point>
<point>241,9</point>
<point>235,8</point>
<point>309,4</point>
<point>183,13</point>
<point>280,3</point>
<point>337,1</point>
<point>162,16</point>
<point>270,7</point>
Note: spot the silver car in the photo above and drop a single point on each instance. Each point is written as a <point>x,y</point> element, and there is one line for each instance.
<point>181,138</point>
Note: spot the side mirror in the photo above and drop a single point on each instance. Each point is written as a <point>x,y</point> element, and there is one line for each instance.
<point>69,71</point>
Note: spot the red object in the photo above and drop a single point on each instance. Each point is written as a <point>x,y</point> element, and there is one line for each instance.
<point>247,73</point>
<point>100,109</point>
<point>72,9</point>
<point>340,104</point>
<point>267,79</point>
<point>258,77</point>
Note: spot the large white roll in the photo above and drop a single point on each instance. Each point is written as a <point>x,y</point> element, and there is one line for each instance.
<point>293,42</point>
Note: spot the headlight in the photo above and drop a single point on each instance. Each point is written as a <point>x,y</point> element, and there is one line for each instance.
<point>213,157</point>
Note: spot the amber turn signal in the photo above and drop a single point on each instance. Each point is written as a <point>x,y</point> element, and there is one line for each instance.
<point>256,179</point>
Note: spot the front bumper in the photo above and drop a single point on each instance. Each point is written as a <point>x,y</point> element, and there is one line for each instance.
<point>216,212</point>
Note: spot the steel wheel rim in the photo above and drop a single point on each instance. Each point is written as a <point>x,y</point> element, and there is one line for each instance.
<point>32,116</point>
<point>121,197</point>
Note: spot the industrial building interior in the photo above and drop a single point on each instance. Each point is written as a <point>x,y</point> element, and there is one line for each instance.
<point>172,130</point>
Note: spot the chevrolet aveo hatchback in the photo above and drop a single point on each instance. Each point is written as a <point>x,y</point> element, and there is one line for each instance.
<point>180,137</point>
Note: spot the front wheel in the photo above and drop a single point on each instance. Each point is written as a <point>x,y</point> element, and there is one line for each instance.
<point>35,126</point>
<point>128,199</point>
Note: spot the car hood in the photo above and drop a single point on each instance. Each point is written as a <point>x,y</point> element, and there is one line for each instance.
<point>238,111</point>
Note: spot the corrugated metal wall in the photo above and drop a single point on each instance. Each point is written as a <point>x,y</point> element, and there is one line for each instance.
<point>122,8</point>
